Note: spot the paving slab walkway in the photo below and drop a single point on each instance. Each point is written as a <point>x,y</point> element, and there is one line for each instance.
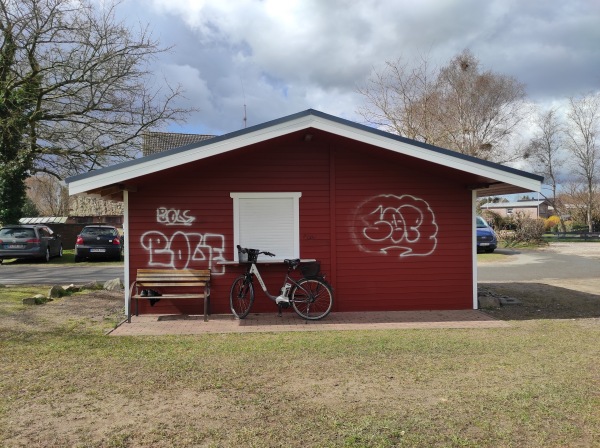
<point>270,322</point>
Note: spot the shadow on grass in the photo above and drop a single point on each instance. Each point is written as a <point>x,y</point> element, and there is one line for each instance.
<point>541,301</point>
<point>67,258</point>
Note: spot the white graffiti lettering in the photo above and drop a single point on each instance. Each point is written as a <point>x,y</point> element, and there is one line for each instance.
<point>182,250</point>
<point>172,217</point>
<point>388,222</point>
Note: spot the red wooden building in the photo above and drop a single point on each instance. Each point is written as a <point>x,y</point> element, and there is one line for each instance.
<point>390,219</point>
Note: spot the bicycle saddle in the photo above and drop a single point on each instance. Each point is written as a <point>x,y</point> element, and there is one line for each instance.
<point>292,263</point>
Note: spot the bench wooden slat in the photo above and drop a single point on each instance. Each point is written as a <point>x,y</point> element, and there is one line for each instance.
<point>169,283</point>
<point>171,296</point>
<point>182,272</point>
<point>173,277</point>
<point>203,277</point>
<point>167,278</point>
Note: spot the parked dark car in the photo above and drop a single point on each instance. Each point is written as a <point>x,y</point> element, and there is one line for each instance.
<point>486,237</point>
<point>29,242</point>
<point>98,242</point>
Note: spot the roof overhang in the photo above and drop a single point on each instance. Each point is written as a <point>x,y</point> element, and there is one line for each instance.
<point>494,179</point>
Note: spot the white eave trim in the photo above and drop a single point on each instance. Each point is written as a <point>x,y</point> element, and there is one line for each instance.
<point>442,159</point>
<point>207,150</point>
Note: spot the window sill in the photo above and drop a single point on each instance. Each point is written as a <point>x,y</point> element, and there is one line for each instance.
<point>274,261</point>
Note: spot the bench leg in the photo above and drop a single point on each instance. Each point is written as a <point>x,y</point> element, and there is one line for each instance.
<point>205,308</point>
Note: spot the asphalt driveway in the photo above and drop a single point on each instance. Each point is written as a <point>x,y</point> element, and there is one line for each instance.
<point>574,261</point>
<point>62,274</point>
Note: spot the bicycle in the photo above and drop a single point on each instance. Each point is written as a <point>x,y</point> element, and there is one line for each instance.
<point>311,296</point>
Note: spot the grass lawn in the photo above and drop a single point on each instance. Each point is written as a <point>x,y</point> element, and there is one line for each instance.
<point>64,383</point>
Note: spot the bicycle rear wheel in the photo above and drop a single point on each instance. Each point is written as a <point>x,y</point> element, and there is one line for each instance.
<point>313,300</point>
<point>241,297</point>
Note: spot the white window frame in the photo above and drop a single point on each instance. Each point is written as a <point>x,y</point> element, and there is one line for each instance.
<point>294,196</point>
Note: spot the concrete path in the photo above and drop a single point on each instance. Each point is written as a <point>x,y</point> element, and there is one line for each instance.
<point>268,323</point>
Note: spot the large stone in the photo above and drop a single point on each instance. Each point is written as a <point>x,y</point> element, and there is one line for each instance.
<point>29,301</point>
<point>57,291</point>
<point>113,285</point>
<point>488,302</point>
<point>38,299</point>
<point>92,286</point>
<point>71,288</point>
<point>504,301</point>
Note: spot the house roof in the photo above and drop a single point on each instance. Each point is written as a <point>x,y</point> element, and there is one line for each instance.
<point>44,220</point>
<point>494,179</point>
<point>154,142</point>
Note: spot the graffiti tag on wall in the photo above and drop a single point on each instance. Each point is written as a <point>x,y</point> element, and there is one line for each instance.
<point>390,224</point>
<point>172,217</point>
<point>181,250</point>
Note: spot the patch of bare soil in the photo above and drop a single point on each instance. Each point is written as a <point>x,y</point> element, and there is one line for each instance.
<point>94,311</point>
<point>560,300</point>
<point>563,298</point>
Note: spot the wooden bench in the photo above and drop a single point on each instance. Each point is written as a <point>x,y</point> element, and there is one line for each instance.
<point>194,280</point>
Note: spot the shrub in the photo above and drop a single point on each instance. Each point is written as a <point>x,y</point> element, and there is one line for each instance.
<point>507,237</point>
<point>522,230</point>
<point>551,222</point>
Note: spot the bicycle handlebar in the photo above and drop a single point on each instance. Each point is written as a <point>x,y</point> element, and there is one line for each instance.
<point>245,250</point>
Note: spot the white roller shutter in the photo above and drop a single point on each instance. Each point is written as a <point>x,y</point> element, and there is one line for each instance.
<point>267,221</point>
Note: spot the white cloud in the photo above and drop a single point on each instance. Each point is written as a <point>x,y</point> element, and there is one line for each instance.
<point>287,56</point>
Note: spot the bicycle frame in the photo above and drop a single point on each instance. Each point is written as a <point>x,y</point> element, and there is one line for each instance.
<point>253,270</point>
<point>310,296</point>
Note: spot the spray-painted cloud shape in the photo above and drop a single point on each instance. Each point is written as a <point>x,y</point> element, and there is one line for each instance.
<point>388,223</point>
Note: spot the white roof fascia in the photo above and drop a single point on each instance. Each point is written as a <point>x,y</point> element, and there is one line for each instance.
<point>191,155</point>
<point>210,149</point>
<point>428,155</point>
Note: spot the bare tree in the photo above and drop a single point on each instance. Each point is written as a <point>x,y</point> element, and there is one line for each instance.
<point>459,106</point>
<point>48,194</point>
<point>479,111</point>
<point>545,151</point>
<point>399,99</point>
<point>75,91</point>
<point>575,197</point>
<point>582,141</point>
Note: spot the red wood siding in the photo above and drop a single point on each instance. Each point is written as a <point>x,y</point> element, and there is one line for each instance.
<point>370,279</point>
<point>335,176</point>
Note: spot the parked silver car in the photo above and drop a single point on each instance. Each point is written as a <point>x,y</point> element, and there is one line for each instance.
<point>33,241</point>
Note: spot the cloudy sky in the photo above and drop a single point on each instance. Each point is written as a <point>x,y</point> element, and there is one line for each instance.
<point>280,57</point>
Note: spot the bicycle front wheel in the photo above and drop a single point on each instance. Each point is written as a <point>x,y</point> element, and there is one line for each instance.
<point>312,299</point>
<point>241,297</point>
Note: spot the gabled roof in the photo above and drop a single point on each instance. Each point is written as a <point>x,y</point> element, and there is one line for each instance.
<point>154,142</point>
<point>495,179</point>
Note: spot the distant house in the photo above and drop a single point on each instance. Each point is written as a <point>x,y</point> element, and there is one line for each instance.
<point>391,220</point>
<point>532,209</point>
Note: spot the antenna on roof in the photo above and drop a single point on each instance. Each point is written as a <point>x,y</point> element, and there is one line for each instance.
<point>244,93</point>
